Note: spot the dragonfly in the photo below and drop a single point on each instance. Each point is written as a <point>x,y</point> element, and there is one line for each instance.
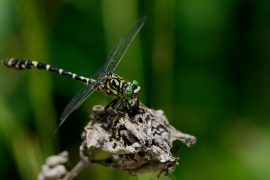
<point>104,80</point>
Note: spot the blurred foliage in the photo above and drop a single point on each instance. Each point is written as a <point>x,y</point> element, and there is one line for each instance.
<point>204,62</point>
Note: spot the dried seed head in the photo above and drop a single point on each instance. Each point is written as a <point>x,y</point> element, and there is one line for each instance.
<point>140,141</point>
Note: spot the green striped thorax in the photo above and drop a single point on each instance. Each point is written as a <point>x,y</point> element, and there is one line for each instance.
<point>115,85</point>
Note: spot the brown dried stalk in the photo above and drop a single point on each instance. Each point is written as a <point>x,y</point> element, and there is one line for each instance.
<point>140,141</point>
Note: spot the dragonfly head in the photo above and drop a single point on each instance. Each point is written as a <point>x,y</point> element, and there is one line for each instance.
<point>132,89</point>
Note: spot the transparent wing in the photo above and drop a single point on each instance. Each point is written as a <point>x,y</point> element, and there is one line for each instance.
<point>120,48</point>
<point>75,102</point>
<point>111,63</point>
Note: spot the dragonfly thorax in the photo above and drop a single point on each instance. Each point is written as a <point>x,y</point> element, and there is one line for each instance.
<point>115,85</point>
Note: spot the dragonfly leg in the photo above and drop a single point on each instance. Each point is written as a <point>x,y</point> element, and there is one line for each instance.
<point>111,104</point>
<point>112,122</point>
<point>119,104</point>
<point>132,109</point>
<point>135,106</point>
<point>137,102</point>
<point>127,107</point>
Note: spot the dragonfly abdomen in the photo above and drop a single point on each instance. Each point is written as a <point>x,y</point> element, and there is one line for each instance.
<point>21,64</point>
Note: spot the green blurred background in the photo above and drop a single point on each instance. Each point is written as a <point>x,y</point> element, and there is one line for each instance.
<point>206,63</point>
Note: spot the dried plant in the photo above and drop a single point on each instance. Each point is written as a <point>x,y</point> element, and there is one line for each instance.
<point>140,141</point>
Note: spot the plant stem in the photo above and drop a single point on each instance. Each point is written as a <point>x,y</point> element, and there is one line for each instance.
<point>81,165</point>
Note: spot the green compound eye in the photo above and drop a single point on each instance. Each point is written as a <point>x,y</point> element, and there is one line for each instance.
<point>135,82</point>
<point>128,91</point>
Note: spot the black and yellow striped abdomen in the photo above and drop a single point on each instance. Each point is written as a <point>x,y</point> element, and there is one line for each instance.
<point>22,64</point>
<point>109,84</point>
